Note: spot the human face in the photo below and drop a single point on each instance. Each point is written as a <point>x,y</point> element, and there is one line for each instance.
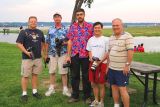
<point>32,23</point>
<point>57,19</point>
<point>80,16</point>
<point>97,30</point>
<point>117,27</point>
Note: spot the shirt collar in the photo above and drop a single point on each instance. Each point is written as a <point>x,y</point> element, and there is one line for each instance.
<point>62,26</point>
<point>120,34</point>
<point>84,23</point>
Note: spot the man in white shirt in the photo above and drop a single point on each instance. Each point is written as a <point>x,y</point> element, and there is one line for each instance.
<point>97,47</point>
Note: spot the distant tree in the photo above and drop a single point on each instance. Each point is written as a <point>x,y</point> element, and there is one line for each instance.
<point>78,4</point>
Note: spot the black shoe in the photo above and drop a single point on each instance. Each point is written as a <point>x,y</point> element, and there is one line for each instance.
<point>72,100</point>
<point>37,96</point>
<point>24,98</point>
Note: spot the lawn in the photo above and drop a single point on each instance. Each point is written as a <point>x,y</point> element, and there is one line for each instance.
<point>10,88</point>
<point>138,31</point>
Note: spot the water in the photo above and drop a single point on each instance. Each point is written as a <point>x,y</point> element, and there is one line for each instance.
<point>151,44</point>
<point>10,38</point>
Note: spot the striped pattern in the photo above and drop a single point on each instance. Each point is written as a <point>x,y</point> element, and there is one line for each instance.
<point>118,50</point>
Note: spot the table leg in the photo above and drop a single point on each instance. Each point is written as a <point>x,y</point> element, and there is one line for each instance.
<point>145,91</point>
<point>155,88</point>
<point>110,90</point>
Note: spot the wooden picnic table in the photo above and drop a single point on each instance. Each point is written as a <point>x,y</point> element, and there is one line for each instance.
<point>5,30</point>
<point>146,70</point>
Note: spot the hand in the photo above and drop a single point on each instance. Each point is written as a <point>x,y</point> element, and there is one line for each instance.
<point>107,69</point>
<point>90,59</point>
<point>68,58</point>
<point>98,63</point>
<point>126,70</point>
<point>28,54</point>
<point>64,43</point>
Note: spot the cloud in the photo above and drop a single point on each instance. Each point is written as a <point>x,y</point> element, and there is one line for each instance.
<point>101,10</point>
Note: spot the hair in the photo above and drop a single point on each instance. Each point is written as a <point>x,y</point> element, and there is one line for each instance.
<point>80,10</point>
<point>118,20</point>
<point>57,14</point>
<point>32,17</point>
<point>98,23</point>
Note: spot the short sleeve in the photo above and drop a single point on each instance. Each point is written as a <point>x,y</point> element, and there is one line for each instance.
<point>47,40</point>
<point>20,38</point>
<point>129,42</point>
<point>106,44</point>
<point>109,44</point>
<point>88,47</point>
<point>66,31</point>
<point>70,33</point>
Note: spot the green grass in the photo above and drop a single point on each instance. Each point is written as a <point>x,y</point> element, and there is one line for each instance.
<point>10,88</point>
<point>135,31</point>
<point>150,58</point>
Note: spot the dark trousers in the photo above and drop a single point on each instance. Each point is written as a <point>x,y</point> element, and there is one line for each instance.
<point>78,64</point>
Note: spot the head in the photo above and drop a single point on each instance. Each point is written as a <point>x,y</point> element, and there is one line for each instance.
<point>117,26</point>
<point>142,44</point>
<point>57,18</point>
<point>98,27</point>
<point>80,14</point>
<point>32,22</point>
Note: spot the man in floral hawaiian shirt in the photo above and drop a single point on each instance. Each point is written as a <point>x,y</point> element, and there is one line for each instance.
<point>57,54</point>
<point>78,35</point>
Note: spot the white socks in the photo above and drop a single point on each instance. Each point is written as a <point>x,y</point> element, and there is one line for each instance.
<point>51,87</point>
<point>34,91</point>
<point>116,105</point>
<point>24,93</point>
<point>65,88</point>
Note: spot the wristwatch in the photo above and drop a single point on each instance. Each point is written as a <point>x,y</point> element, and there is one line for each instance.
<point>127,63</point>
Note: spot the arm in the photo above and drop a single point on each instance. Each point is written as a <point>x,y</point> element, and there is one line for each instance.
<point>46,47</point>
<point>129,60</point>
<point>69,49</point>
<point>106,56</point>
<point>90,56</point>
<point>130,56</point>
<point>21,47</point>
<point>43,51</point>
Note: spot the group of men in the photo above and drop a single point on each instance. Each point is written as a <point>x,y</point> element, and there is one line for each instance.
<point>80,46</point>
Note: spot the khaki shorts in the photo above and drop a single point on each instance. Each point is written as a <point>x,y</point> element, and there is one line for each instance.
<point>57,62</point>
<point>31,66</point>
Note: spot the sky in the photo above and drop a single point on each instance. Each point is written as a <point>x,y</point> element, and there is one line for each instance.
<point>101,10</point>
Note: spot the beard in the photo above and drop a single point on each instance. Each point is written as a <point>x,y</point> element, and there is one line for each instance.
<point>80,20</point>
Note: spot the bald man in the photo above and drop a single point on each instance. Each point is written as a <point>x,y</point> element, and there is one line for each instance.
<point>120,56</point>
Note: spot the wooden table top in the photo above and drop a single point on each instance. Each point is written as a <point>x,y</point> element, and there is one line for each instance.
<point>144,68</point>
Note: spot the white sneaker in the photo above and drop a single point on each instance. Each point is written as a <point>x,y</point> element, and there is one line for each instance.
<point>49,92</point>
<point>94,104</point>
<point>66,93</point>
<point>101,104</point>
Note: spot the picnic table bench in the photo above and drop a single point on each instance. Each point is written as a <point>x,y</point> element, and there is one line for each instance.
<point>146,70</point>
<point>5,30</point>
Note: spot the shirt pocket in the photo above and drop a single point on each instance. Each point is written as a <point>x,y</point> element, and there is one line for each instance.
<point>121,46</point>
